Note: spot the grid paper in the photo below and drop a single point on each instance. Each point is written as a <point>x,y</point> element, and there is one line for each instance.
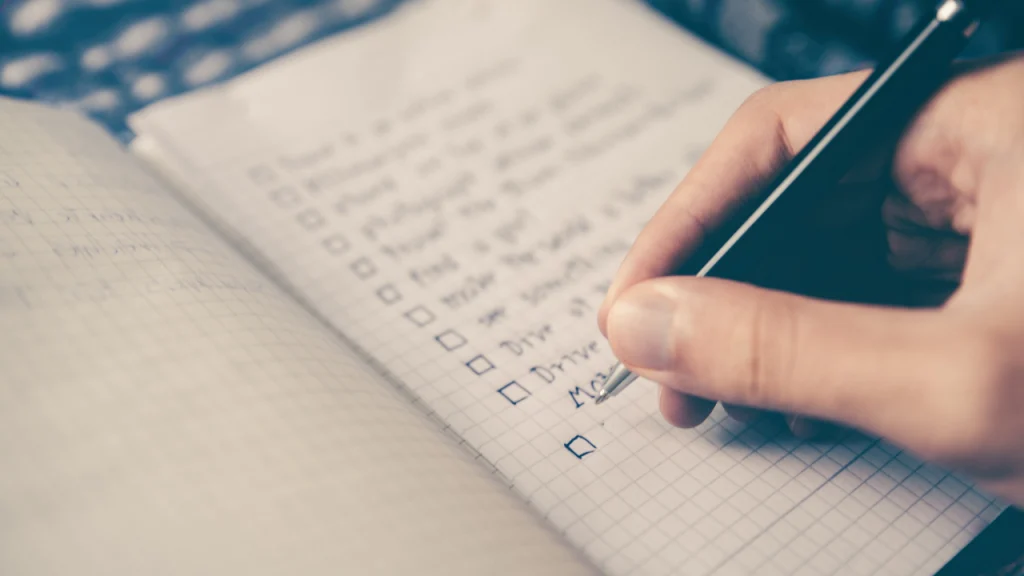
<point>463,234</point>
<point>164,409</point>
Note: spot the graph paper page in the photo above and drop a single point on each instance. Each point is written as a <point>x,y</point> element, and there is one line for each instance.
<point>165,410</point>
<point>453,189</point>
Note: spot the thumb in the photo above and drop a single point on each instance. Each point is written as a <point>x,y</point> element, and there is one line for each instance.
<point>859,365</point>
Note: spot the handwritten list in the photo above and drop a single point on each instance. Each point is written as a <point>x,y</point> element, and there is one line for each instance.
<point>463,234</point>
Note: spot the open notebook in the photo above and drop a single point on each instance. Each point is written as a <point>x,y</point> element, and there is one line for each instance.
<point>337,316</point>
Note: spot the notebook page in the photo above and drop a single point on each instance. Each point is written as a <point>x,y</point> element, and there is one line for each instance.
<point>165,410</point>
<point>453,188</point>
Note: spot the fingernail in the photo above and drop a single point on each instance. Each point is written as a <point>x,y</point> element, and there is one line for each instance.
<point>640,325</point>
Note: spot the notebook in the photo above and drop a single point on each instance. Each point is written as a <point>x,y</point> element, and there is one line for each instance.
<point>338,316</point>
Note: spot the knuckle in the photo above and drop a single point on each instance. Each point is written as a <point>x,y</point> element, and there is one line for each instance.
<point>765,98</point>
<point>671,415</point>
<point>762,110</point>
<point>763,116</point>
<point>770,348</point>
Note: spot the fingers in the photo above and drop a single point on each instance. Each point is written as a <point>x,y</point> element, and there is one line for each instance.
<point>946,150</point>
<point>916,246</point>
<point>743,414</point>
<point>994,274</point>
<point>859,365</point>
<point>753,146</point>
<point>683,411</point>
<point>923,255</point>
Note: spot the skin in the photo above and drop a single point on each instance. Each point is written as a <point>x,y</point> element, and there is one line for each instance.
<point>904,318</point>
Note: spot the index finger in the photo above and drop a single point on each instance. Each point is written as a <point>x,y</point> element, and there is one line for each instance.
<point>764,134</point>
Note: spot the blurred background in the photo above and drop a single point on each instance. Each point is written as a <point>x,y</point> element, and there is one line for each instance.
<point>111,57</point>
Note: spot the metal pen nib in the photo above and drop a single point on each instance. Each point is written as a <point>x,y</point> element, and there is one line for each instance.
<point>619,379</point>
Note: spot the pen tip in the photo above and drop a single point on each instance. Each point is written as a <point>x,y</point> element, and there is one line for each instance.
<point>601,397</point>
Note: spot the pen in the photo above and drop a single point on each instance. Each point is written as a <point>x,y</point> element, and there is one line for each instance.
<point>879,109</point>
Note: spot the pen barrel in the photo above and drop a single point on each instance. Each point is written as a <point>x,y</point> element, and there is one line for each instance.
<point>873,117</point>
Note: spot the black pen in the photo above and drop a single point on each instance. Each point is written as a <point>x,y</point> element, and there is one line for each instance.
<point>880,108</point>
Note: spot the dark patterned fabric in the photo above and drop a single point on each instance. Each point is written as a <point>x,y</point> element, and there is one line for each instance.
<point>111,57</point>
<point>790,39</point>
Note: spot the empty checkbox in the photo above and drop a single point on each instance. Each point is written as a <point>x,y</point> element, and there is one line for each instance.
<point>286,197</point>
<point>580,446</point>
<point>389,294</point>
<point>480,365</point>
<point>420,316</point>
<point>311,219</point>
<point>363,268</point>
<point>450,340</point>
<point>514,392</point>
<point>336,244</point>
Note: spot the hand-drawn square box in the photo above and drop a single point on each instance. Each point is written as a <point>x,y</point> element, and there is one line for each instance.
<point>480,365</point>
<point>363,268</point>
<point>420,316</point>
<point>389,294</point>
<point>514,392</point>
<point>450,340</point>
<point>286,197</point>
<point>580,446</point>
<point>336,244</point>
<point>311,219</point>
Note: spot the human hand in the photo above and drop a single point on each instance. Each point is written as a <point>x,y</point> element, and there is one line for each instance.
<point>910,320</point>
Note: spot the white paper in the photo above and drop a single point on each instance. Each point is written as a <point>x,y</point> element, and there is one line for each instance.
<point>165,409</point>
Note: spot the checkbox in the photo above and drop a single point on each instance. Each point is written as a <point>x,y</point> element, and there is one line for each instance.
<point>514,392</point>
<point>451,340</point>
<point>336,244</point>
<point>420,316</point>
<point>580,447</point>
<point>285,197</point>
<point>262,175</point>
<point>363,268</point>
<point>480,365</point>
<point>389,294</point>
<point>311,219</point>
